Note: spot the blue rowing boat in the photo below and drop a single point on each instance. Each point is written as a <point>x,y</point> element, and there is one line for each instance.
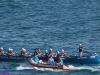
<point>75,59</point>
<point>82,60</point>
<point>5,58</point>
<point>92,59</point>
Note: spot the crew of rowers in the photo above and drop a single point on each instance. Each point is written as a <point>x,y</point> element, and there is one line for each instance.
<point>50,52</point>
<point>25,53</point>
<point>12,53</point>
<point>47,53</point>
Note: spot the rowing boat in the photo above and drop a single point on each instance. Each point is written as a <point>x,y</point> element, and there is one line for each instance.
<point>5,58</point>
<point>76,59</point>
<point>92,59</point>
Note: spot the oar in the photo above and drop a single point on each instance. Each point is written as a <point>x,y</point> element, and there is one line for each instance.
<point>86,52</point>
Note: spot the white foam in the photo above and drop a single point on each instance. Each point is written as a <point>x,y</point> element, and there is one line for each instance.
<point>47,69</point>
<point>21,67</point>
<point>92,69</point>
<point>71,66</point>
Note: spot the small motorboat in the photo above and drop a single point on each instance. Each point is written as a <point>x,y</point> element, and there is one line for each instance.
<point>50,66</point>
<point>45,65</point>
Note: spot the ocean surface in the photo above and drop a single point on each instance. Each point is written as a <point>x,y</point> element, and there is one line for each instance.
<point>45,24</point>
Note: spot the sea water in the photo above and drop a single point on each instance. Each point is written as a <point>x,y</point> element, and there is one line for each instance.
<point>45,24</point>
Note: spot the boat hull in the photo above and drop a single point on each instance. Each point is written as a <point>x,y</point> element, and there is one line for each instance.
<point>75,59</point>
<point>72,59</point>
<point>49,66</point>
<point>4,58</point>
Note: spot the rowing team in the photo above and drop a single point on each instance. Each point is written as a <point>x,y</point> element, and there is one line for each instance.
<point>25,53</point>
<point>13,53</point>
<point>47,53</point>
<point>35,60</point>
<point>50,52</point>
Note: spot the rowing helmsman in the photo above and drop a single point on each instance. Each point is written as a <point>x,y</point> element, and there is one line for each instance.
<point>80,48</point>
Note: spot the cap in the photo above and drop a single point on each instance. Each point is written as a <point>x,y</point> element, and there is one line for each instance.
<point>46,50</point>
<point>62,50</point>
<point>23,49</point>
<point>10,49</point>
<point>50,49</point>
<point>80,44</point>
<point>58,52</point>
<point>1,48</point>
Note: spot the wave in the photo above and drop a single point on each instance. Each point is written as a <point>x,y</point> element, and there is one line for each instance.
<point>23,67</point>
<point>92,69</point>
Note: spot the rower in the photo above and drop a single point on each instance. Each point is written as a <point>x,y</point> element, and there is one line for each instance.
<point>23,52</point>
<point>10,52</point>
<point>50,52</point>
<point>38,52</point>
<point>1,51</point>
<point>80,48</point>
<point>51,60</point>
<point>63,53</point>
<point>46,53</point>
<point>58,54</point>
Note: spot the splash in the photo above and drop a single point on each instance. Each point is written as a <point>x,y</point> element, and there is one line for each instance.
<point>47,69</point>
<point>23,67</point>
<point>71,66</point>
<point>92,69</point>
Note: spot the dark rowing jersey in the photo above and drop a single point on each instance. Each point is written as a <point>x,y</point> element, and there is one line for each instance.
<point>80,49</point>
